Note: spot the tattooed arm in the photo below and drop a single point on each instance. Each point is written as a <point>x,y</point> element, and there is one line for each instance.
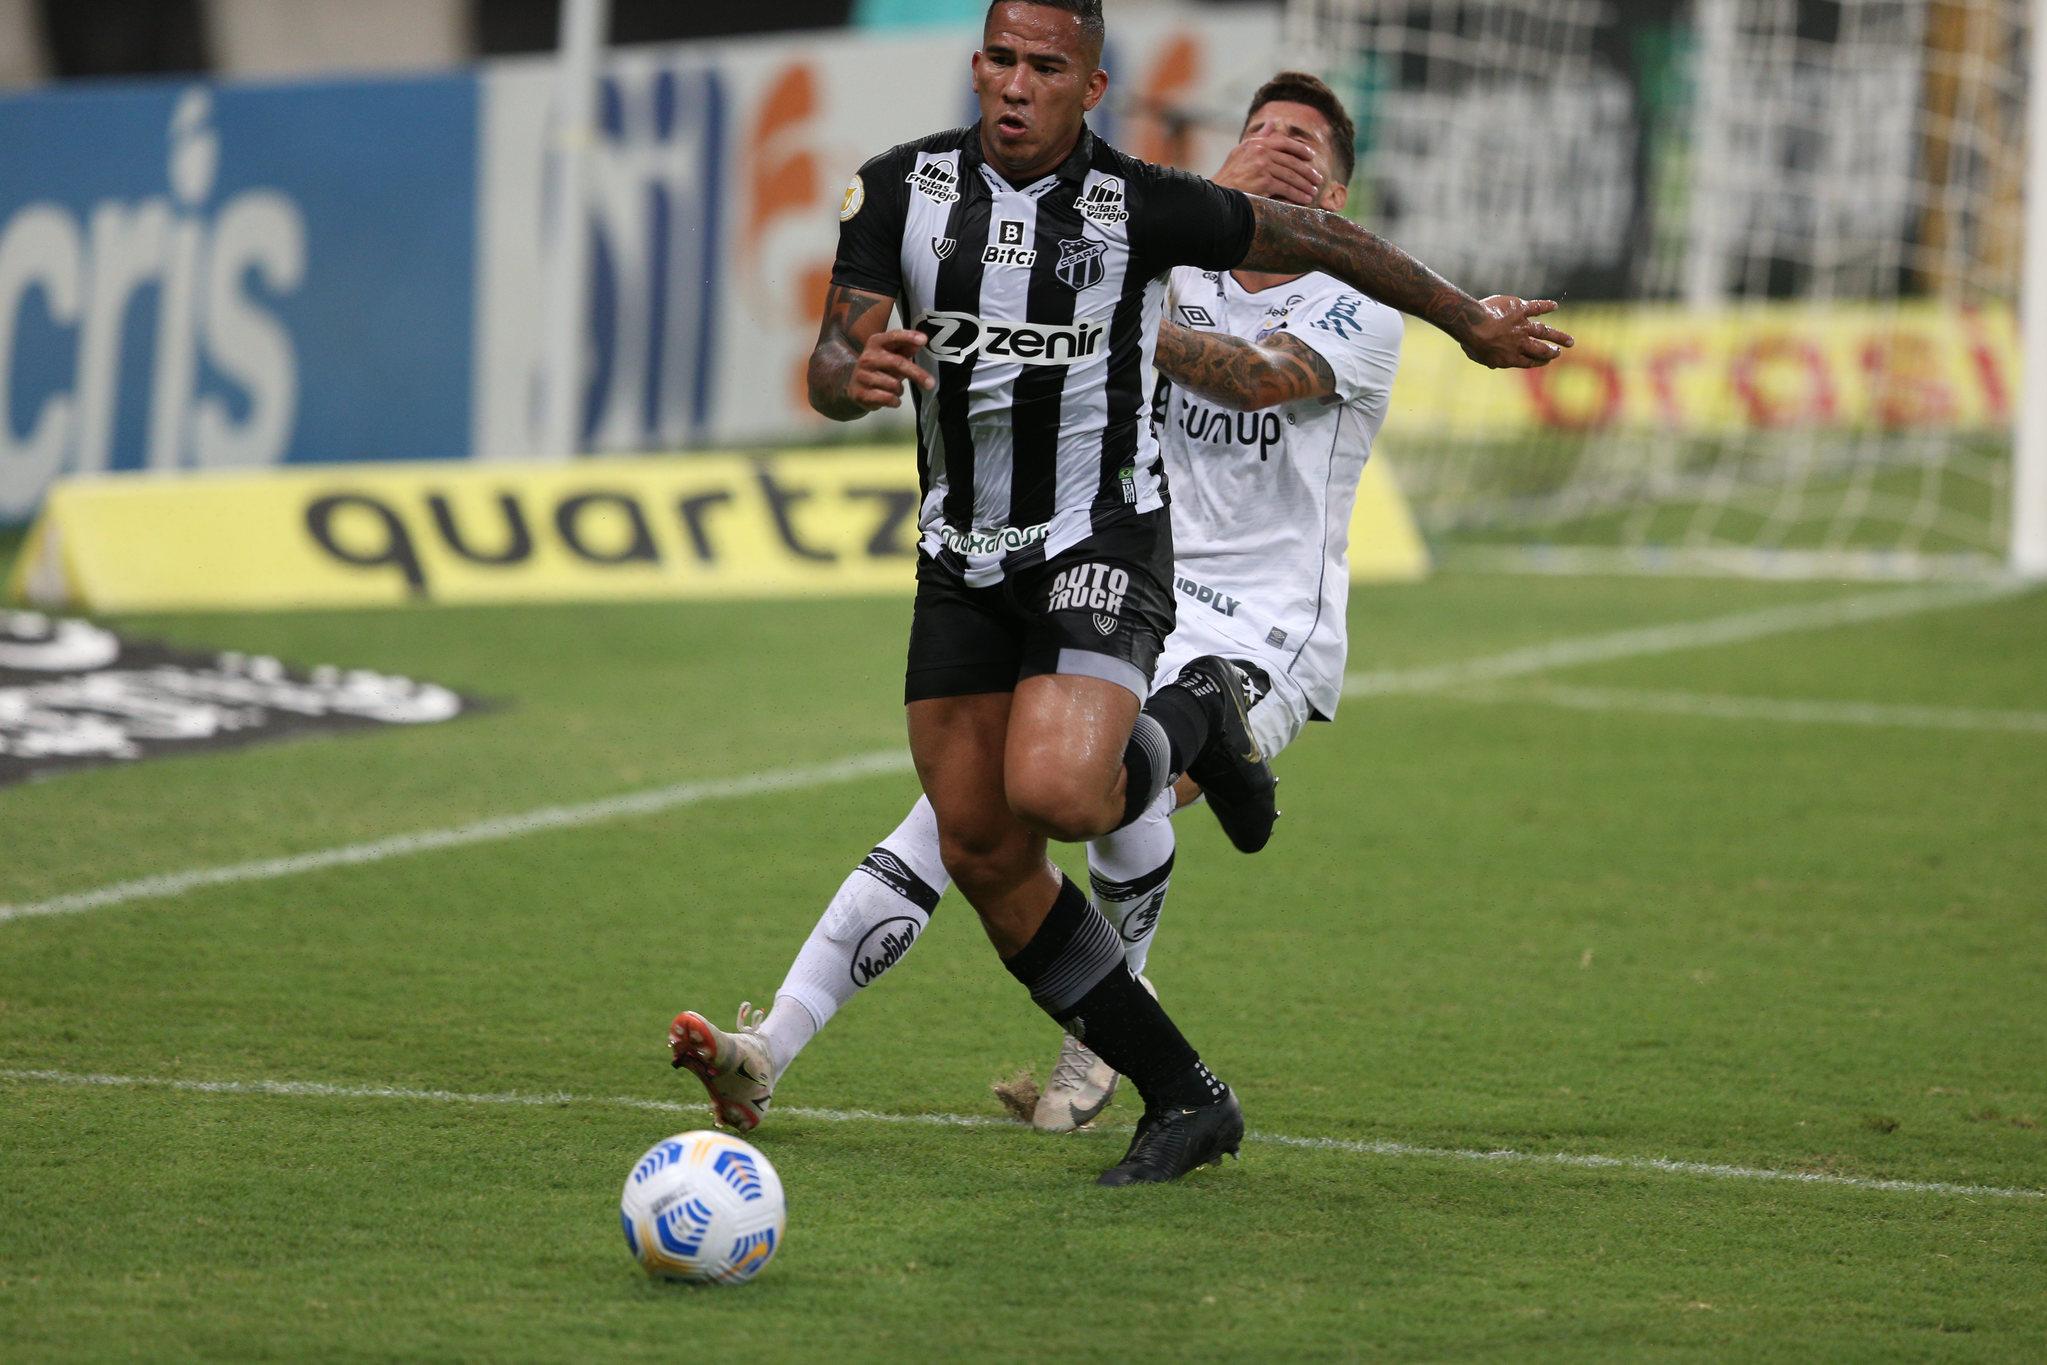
<point>1242,375</point>
<point>857,366</point>
<point>1501,332</point>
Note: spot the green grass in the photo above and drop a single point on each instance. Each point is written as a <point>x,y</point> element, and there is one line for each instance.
<point>1482,925</point>
<point>1852,493</point>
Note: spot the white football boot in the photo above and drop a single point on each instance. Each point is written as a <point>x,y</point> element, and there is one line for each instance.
<point>1081,1086</point>
<point>736,1068</point>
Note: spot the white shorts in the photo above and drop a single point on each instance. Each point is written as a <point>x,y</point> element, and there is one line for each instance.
<point>1278,715</point>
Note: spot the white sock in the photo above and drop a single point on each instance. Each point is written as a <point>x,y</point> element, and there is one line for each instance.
<point>879,912</point>
<point>1131,869</point>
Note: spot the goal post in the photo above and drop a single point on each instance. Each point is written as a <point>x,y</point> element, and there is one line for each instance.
<point>2029,456</point>
<point>1789,236</point>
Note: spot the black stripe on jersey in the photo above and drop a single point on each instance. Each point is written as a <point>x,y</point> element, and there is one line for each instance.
<point>1125,395</point>
<point>1039,390</point>
<point>959,291</point>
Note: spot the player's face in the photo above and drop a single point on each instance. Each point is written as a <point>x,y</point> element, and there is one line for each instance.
<point>1036,77</point>
<point>1284,118</point>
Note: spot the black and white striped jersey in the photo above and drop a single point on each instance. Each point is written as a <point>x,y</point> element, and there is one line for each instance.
<point>1042,306</point>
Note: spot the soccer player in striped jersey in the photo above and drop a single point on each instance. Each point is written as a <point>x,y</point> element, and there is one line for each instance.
<point>1028,259</point>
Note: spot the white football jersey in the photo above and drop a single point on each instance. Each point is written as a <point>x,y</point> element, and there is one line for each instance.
<point>1262,500</point>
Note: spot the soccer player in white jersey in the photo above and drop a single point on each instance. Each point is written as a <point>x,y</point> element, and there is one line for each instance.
<point>1279,384</point>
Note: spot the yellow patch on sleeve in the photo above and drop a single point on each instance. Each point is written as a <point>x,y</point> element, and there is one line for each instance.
<point>856,197</point>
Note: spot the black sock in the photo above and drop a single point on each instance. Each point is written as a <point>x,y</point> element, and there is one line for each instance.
<point>1171,729</point>
<point>1074,969</point>
<point>1186,710</point>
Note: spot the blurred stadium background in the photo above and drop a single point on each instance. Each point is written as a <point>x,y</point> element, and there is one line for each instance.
<point>1686,807</point>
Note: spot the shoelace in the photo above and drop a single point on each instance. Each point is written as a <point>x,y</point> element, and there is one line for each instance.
<point>1075,1059</point>
<point>750,1019</point>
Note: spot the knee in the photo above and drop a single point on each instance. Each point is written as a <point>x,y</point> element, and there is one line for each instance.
<point>1051,801</point>
<point>981,863</point>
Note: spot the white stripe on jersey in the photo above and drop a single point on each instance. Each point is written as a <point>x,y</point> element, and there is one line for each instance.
<point>924,238</point>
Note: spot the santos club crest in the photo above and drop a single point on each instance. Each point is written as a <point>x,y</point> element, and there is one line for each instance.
<point>1080,263</point>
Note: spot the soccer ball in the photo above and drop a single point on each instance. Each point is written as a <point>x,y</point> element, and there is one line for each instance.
<point>703,1206</point>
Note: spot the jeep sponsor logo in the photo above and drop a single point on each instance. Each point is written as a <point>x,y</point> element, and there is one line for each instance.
<point>1275,317</point>
<point>992,540</point>
<point>1090,587</point>
<point>936,182</point>
<point>959,336</point>
<point>73,695</point>
<point>882,947</point>
<point>1250,430</point>
<point>1213,598</point>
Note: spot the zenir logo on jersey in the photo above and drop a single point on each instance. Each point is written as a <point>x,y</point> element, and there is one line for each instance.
<point>935,182</point>
<point>955,336</point>
<point>1080,263</point>
<point>942,247</point>
<point>1102,205</point>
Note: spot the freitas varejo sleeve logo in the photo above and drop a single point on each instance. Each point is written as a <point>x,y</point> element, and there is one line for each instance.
<point>1102,205</point>
<point>935,182</point>
<point>856,197</point>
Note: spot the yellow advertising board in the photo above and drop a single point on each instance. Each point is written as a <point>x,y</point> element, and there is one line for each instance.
<point>1914,365</point>
<point>825,523</point>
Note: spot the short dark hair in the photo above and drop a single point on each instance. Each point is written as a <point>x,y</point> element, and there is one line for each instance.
<point>1298,87</point>
<point>1092,26</point>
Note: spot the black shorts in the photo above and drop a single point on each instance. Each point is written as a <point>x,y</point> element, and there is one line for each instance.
<point>1102,609</point>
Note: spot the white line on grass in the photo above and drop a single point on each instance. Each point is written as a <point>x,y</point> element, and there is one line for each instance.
<point>650,802</point>
<point>1346,1146</point>
<point>1730,629</point>
<point>1782,709</point>
<point>1735,628</point>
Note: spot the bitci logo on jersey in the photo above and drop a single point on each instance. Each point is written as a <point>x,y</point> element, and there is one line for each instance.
<point>1099,588</point>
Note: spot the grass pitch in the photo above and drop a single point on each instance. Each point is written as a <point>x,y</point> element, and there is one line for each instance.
<point>1489,922</point>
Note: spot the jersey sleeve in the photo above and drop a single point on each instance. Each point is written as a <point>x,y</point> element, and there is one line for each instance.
<point>1359,337</point>
<point>871,220</point>
<point>1182,219</point>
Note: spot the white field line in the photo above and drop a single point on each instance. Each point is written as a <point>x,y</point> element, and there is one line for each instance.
<point>1785,710</point>
<point>1735,628</point>
<point>1739,626</point>
<point>649,802</point>
<point>1345,1146</point>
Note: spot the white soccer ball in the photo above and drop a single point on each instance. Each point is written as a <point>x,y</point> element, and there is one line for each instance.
<point>703,1206</point>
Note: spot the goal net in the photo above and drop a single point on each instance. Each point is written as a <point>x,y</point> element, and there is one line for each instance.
<point>1787,234</point>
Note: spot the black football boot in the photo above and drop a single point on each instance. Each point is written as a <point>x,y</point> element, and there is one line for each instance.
<point>1231,768</point>
<point>1171,1142</point>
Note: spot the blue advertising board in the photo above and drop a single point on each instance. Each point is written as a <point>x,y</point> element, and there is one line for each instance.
<point>197,276</point>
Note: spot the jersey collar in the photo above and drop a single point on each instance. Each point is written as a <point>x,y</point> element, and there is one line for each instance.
<point>1072,171</point>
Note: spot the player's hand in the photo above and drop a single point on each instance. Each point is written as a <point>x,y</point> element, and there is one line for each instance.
<point>1275,166</point>
<point>1512,338</point>
<point>886,363</point>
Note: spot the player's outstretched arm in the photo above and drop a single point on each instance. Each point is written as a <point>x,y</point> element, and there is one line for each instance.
<point>857,365</point>
<point>1242,375</point>
<point>1501,332</point>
